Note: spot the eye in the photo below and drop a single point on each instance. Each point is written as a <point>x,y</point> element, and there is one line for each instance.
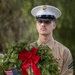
<point>47,22</point>
<point>40,21</point>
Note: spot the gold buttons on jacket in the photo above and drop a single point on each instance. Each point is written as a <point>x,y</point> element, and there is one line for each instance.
<point>59,68</point>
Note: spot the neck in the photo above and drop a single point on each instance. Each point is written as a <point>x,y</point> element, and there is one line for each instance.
<point>45,38</point>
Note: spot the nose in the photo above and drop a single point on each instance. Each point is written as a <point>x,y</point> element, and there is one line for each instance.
<point>43,24</point>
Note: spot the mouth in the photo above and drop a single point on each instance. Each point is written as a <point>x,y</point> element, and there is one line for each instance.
<point>43,29</point>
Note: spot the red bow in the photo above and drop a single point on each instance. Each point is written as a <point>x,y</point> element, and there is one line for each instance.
<point>29,58</point>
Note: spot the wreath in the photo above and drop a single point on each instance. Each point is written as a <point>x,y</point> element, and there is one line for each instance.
<point>34,60</point>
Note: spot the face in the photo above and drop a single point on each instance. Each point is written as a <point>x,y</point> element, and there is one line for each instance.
<point>45,27</point>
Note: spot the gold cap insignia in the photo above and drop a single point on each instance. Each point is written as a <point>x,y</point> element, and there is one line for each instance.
<point>44,7</point>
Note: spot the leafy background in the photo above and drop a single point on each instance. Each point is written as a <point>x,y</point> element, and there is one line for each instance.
<point>17,23</point>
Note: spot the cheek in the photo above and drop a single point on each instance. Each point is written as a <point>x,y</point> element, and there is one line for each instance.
<point>52,27</point>
<point>37,27</point>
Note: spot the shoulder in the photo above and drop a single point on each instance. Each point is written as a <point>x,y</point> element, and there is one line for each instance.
<point>64,52</point>
<point>63,49</point>
<point>59,45</point>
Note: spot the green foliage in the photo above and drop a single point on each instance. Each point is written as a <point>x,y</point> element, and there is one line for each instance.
<point>11,22</point>
<point>16,22</point>
<point>11,58</point>
<point>47,64</point>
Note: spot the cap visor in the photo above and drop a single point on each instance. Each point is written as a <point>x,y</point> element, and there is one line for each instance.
<point>44,19</point>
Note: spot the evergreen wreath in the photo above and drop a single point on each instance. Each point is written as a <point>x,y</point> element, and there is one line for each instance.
<point>47,63</point>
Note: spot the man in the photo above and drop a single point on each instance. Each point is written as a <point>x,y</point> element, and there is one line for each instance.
<point>46,22</point>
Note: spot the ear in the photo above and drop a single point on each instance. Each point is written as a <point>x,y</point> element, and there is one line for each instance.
<point>54,25</point>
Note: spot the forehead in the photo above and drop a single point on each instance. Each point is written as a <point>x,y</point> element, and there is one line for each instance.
<point>44,21</point>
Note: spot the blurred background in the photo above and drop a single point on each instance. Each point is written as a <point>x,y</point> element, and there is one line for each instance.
<point>17,23</point>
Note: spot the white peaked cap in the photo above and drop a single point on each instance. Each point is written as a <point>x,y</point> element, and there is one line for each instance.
<point>46,10</point>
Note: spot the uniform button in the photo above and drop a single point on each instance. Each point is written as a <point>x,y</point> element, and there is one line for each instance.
<point>59,68</point>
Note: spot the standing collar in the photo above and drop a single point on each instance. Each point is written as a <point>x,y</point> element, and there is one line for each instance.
<point>49,44</point>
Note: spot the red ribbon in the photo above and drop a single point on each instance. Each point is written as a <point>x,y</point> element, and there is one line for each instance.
<point>29,58</point>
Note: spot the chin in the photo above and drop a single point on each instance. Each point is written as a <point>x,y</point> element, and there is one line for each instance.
<point>44,33</point>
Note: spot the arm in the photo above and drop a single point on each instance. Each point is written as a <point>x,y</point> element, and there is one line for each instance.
<point>67,63</point>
